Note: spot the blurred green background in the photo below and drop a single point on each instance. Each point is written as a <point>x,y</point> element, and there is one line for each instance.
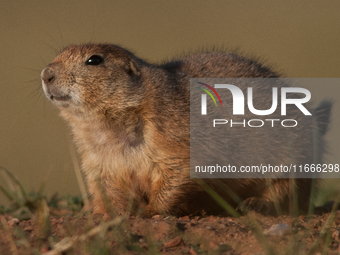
<point>299,38</point>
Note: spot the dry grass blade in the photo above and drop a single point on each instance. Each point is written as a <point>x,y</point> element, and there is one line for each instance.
<point>12,245</point>
<point>80,179</point>
<point>43,219</point>
<point>13,189</point>
<point>218,198</point>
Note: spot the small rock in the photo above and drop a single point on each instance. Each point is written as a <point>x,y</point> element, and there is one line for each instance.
<point>184,218</point>
<point>12,222</point>
<point>157,217</point>
<point>173,242</point>
<point>193,221</point>
<point>277,230</point>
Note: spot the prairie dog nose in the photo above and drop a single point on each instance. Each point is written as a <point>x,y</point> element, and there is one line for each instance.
<point>47,75</point>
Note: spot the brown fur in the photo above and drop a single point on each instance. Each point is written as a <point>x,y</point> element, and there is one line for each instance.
<point>130,121</point>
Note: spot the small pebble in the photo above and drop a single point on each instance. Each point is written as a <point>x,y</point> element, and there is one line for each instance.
<point>12,222</point>
<point>184,218</point>
<point>277,230</point>
<point>173,242</point>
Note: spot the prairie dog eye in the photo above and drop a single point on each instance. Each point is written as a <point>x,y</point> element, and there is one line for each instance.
<point>94,60</point>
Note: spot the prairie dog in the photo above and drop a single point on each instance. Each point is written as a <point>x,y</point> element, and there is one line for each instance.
<point>130,122</point>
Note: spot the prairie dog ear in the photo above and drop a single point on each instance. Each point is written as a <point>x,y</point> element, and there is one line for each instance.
<point>132,67</point>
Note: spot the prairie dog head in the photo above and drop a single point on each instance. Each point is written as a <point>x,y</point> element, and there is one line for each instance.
<point>93,78</point>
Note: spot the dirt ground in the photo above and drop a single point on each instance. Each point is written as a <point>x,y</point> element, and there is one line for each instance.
<point>251,234</point>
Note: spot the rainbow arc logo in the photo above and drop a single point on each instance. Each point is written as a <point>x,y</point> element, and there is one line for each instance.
<point>208,92</point>
<point>204,97</point>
